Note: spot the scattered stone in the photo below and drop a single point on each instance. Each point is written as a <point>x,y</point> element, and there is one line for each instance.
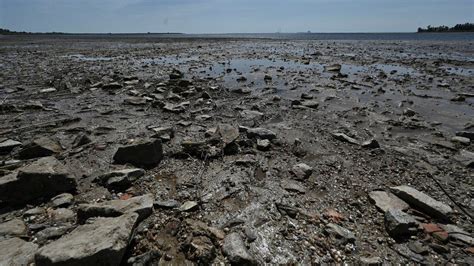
<point>466,158</point>
<point>341,234</point>
<point>8,145</point>
<point>137,101</point>
<point>407,253</point>
<point>466,134</point>
<point>418,247</point>
<point>62,215</point>
<point>80,140</point>
<point>235,251</point>
<point>144,259</point>
<point>251,114</point>
<point>263,144</point>
<point>121,179</point>
<point>188,206</point>
<point>45,177</point>
<point>112,86</point>
<point>333,68</point>
<point>302,171</point>
<point>371,261</point>
<point>399,224</point>
<point>293,186</point>
<point>14,251</point>
<point>176,108</point>
<point>371,144</point>
<point>343,137</point>
<point>459,234</point>
<point>35,211</point>
<point>176,74</point>
<point>227,133</point>
<point>41,147</point>
<point>103,241</point>
<point>51,233</point>
<point>163,133</point>
<point>142,205</point>
<point>423,202</point>
<point>386,200</point>
<point>461,140</point>
<point>14,227</point>
<point>62,200</point>
<point>48,90</point>
<point>261,133</point>
<point>166,204</point>
<point>409,112</point>
<point>140,153</point>
<point>310,104</point>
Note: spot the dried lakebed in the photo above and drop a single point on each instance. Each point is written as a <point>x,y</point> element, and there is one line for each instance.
<point>204,151</point>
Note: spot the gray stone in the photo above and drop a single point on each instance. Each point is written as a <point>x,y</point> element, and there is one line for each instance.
<point>101,242</point>
<point>62,200</point>
<point>167,204</point>
<point>457,233</point>
<point>41,147</point>
<point>371,144</point>
<point>466,158</point>
<point>263,144</point>
<point>235,251</point>
<point>140,153</point>
<point>399,224</point>
<point>343,137</point>
<point>371,261</point>
<point>227,133</point>
<point>188,206</point>
<point>466,134</point>
<point>142,205</point>
<point>423,202</point>
<point>51,233</point>
<point>250,114</point>
<point>462,140</point>
<point>33,212</point>
<point>333,68</point>
<point>163,133</point>
<point>14,227</point>
<point>14,251</point>
<point>121,179</point>
<point>62,215</point>
<point>45,177</point>
<point>386,200</point>
<point>293,186</point>
<point>302,171</point>
<point>8,145</point>
<point>261,133</point>
<point>310,104</point>
<point>341,234</point>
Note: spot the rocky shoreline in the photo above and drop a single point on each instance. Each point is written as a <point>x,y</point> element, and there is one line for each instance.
<point>235,151</point>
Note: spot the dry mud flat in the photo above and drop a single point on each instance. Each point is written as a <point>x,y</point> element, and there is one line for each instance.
<point>201,151</point>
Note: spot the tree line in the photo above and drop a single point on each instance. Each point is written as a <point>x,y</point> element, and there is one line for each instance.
<point>466,27</point>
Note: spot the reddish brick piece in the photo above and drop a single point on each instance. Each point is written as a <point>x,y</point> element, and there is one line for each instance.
<point>431,228</point>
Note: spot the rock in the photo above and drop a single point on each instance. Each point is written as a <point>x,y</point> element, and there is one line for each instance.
<point>176,108</point>
<point>80,140</point>
<point>333,68</point>
<point>188,206</point>
<point>62,200</point>
<point>293,186</point>
<point>101,242</point>
<point>14,251</point>
<point>62,215</point>
<point>341,234</point>
<point>399,224</point>
<point>176,74</point>
<point>261,133</point>
<point>48,90</point>
<point>227,133</point>
<point>142,205</point>
<point>140,153</point>
<point>235,251</point>
<point>14,227</point>
<point>466,134</point>
<point>386,200</point>
<point>409,112</point>
<point>112,86</point>
<point>33,212</point>
<point>45,177</point>
<point>466,158</point>
<point>371,144</point>
<point>121,179</point>
<point>407,253</point>
<point>418,247</point>
<point>302,171</point>
<point>163,133</point>
<point>461,140</point>
<point>263,144</point>
<point>200,249</point>
<point>423,202</point>
<point>41,147</point>
<point>144,259</point>
<point>251,114</point>
<point>166,204</point>
<point>459,234</point>
<point>371,261</point>
<point>51,233</point>
<point>8,145</point>
<point>310,104</point>
<point>345,138</point>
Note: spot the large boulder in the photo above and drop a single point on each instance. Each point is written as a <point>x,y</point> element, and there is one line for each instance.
<point>235,251</point>
<point>41,147</point>
<point>43,178</point>
<point>423,202</point>
<point>147,153</point>
<point>14,251</point>
<point>101,242</point>
<point>142,205</point>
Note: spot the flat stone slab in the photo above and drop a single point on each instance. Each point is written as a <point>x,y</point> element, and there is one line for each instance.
<point>41,147</point>
<point>385,200</point>
<point>142,205</point>
<point>14,227</point>
<point>423,202</point>
<point>101,242</point>
<point>45,177</point>
<point>141,153</point>
<point>15,251</point>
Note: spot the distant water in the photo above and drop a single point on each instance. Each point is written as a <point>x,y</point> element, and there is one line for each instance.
<point>462,36</point>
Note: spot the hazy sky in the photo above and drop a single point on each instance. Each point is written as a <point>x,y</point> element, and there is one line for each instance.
<point>231,16</point>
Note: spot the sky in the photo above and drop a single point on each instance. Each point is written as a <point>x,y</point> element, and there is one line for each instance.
<point>231,16</point>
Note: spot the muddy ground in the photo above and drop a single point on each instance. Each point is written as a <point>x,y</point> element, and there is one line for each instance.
<point>411,98</point>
